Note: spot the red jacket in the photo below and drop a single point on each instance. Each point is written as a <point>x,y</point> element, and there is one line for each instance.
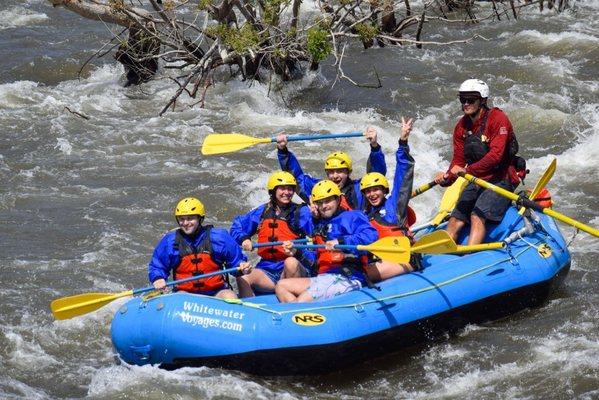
<point>494,165</point>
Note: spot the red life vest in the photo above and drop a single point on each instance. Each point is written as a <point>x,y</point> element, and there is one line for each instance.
<point>385,228</point>
<point>328,260</point>
<point>197,261</point>
<point>275,228</point>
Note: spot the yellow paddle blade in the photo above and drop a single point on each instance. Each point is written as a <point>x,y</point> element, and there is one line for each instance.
<point>391,248</point>
<point>219,143</point>
<point>73,306</point>
<point>449,200</point>
<point>541,183</point>
<point>531,204</point>
<point>438,242</point>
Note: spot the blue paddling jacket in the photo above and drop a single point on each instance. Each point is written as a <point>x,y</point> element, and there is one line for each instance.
<point>300,221</point>
<point>166,257</point>
<point>351,190</point>
<point>349,228</point>
<point>393,210</point>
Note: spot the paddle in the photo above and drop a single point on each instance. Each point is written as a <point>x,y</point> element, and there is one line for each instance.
<point>423,188</point>
<point>397,248</point>
<point>449,200</point>
<point>272,244</point>
<point>439,242</point>
<point>219,143</point>
<point>73,306</point>
<point>523,201</point>
<point>541,183</point>
<point>391,248</point>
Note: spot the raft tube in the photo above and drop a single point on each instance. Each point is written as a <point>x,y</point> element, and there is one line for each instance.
<point>264,337</point>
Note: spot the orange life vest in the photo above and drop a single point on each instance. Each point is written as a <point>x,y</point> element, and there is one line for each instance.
<point>385,228</point>
<point>328,260</point>
<point>197,261</point>
<point>278,228</point>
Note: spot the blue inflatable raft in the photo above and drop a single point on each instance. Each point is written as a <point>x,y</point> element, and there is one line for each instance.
<point>262,336</point>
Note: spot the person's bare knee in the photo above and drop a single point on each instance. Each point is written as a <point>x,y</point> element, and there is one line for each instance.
<point>226,294</point>
<point>382,270</point>
<point>305,296</point>
<point>291,268</point>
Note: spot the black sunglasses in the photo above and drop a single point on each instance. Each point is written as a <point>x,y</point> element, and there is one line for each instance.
<point>469,99</point>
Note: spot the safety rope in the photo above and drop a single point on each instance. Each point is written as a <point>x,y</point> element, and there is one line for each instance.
<point>263,307</point>
<point>573,236</point>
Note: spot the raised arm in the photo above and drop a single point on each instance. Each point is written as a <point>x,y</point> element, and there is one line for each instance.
<point>403,180</point>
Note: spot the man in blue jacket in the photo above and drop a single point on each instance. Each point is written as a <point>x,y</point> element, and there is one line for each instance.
<point>278,220</point>
<point>338,168</point>
<point>339,271</point>
<point>193,250</point>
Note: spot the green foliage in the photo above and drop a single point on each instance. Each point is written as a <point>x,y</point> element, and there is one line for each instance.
<point>203,4</point>
<point>367,32</point>
<point>239,40</point>
<point>280,53</point>
<point>318,44</point>
<point>271,10</point>
<point>292,32</point>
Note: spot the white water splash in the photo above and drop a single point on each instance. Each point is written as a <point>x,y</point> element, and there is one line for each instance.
<point>188,383</point>
<point>20,16</point>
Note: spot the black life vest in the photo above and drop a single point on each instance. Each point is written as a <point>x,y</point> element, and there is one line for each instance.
<point>476,146</point>
<point>349,198</point>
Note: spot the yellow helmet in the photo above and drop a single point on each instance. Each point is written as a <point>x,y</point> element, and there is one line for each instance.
<point>280,178</point>
<point>189,206</point>
<point>373,179</point>
<point>324,189</point>
<point>338,160</point>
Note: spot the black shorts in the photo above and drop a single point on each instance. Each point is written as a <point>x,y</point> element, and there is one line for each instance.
<point>483,202</point>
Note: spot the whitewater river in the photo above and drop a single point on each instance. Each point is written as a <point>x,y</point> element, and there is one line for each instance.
<point>84,201</point>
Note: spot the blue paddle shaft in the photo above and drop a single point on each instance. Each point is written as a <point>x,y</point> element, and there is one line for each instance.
<point>294,138</point>
<point>191,278</point>
<point>322,246</point>
<point>269,244</point>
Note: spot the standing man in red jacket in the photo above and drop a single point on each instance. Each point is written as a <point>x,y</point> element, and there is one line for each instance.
<point>484,146</point>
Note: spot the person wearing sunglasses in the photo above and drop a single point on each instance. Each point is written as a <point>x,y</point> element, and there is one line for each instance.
<point>484,146</point>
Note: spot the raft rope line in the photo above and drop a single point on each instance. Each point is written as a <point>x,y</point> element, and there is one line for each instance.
<point>573,237</point>
<point>397,296</point>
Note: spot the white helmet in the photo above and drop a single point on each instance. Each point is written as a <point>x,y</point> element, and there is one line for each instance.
<point>475,85</point>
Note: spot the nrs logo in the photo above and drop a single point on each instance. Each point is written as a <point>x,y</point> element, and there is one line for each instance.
<point>544,250</point>
<point>308,319</point>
